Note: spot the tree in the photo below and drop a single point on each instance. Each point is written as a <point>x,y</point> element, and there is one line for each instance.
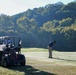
<point>65,22</point>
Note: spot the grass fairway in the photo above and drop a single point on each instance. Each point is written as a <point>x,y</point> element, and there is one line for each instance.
<point>38,63</point>
<point>10,71</point>
<point>34,50</point>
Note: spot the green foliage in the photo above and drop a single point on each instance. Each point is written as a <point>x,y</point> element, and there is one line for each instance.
<point>39,26</point>
<point>48,26</point>
<point>70,6</point>
<point>65,22</point>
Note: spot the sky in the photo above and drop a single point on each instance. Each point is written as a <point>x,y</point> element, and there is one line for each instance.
<point>12,7</point>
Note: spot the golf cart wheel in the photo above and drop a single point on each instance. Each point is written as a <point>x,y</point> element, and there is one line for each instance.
<point>22,59</point>
<point>22,63</point>
<point>5,63</point>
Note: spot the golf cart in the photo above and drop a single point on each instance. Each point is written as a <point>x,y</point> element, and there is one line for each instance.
<point>10,51</point>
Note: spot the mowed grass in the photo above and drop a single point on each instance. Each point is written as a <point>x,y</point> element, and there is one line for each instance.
<point>9,71</point>
<point>36,67</point>
<point>50,68</point>
<point>34,50</point>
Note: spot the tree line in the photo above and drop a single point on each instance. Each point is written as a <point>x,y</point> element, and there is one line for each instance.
<point>39,26</point>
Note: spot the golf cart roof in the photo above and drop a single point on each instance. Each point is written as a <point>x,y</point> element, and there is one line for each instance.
<point>14,40</point>
<point>6,37</point>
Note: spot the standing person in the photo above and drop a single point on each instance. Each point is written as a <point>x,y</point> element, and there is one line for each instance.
<point>50,48</point>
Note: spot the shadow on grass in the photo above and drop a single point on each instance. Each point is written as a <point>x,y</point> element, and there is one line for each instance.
<point>64,59</point>
<point>29,70</point>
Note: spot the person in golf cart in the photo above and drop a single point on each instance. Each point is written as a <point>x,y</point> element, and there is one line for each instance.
<point>9,51</point>
<point>10,44</point>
